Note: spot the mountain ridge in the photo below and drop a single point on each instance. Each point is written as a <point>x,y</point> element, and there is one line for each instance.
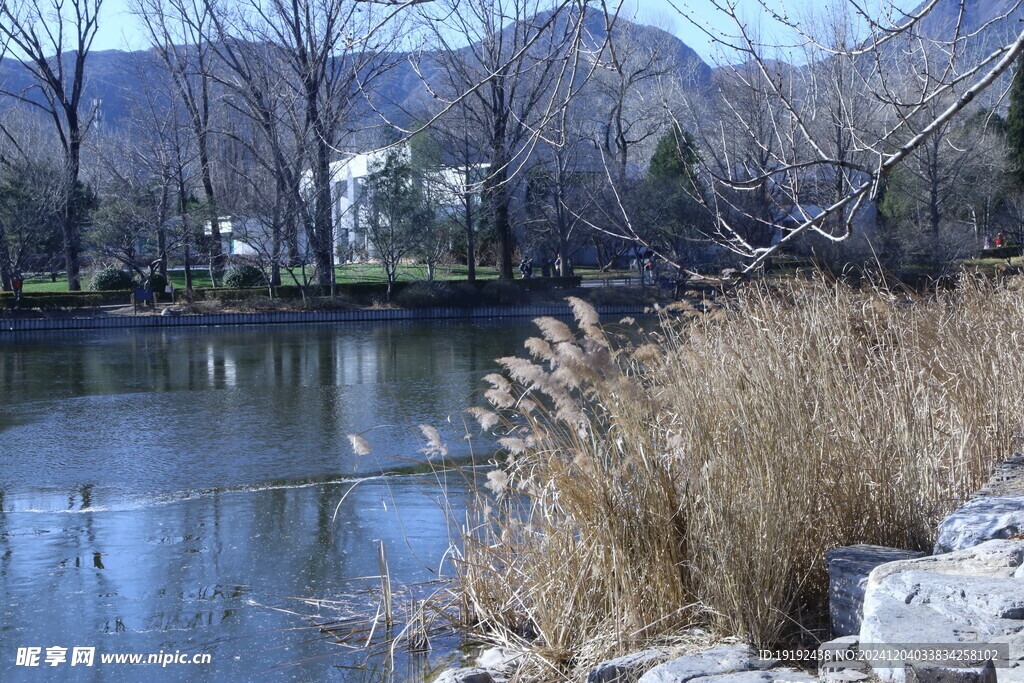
<point>113,73</point>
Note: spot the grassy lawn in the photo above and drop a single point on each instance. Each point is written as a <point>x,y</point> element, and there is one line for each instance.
<point>347,273</point>
<point>989,265</point>
<point>41,283</point>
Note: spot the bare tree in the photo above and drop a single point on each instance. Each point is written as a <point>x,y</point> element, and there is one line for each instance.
<point>330,54</point>
<point>561,192</point>
<point>907,113</point>
<point>505,63</point>
<point>158,149</point>
<point>31,200</point>
<point>639,83</point>
<point>52,39</point>
<point>261,119</point>
<point>985,185</point>
<point>178,33</point>
<point>459,175</point>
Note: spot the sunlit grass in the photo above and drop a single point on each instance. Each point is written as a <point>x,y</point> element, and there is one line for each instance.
<point>344,274</point>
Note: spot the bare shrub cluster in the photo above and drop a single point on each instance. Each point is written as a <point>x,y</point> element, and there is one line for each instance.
<point>696,476</point>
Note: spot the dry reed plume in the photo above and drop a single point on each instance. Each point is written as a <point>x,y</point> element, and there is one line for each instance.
<point>697,478</point>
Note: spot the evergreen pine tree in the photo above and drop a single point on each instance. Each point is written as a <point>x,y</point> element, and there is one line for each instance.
<point>674,160</point>
<point>675,221</point>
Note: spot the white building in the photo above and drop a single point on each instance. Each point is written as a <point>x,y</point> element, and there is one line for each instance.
<point>447,187</point>
<point>249,237</point>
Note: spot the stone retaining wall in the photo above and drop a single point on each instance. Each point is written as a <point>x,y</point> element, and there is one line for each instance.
<point>8,325</point>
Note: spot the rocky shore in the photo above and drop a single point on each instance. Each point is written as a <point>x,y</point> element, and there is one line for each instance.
<point>956,616</point>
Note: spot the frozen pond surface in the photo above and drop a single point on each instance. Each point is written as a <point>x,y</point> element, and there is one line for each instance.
<point>167,490</point>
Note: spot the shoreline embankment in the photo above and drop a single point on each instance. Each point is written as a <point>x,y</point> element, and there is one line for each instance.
<point>102,322</point>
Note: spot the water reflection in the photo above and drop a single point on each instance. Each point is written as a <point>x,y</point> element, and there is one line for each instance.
<point>138,412</point>
<point>209,574</point>
<point>173,489</point>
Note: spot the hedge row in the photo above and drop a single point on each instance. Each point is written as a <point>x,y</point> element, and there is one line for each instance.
<point>372,289</point>
<point>53,300</point>
<point>1002,252</point>
<point>48,300</point>
<point>69,300</point>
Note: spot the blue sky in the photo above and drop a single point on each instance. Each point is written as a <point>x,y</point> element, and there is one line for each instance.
<point>118,28</point>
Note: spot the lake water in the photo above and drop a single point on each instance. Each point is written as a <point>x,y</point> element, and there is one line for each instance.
<point>175,491</point>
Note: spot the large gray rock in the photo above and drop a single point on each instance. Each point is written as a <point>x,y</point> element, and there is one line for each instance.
<point>979,520</point>
<point>845,676</point>
<point>773,676</point>
<point>848,570</point>
<point>723,659</point>
<point>465,675</point>
<point>837,662</point>
<point>626,669</point>
<point>1007,479</point>
<point>975,595</point>
<point>929,673</point>
<point>500,659</point>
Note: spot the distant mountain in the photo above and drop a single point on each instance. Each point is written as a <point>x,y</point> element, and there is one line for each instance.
<point>940,22</point>
<point>111,76</point>
<point>401,95</point>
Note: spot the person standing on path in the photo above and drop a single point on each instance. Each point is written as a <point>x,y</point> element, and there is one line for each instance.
<point>17,283</point>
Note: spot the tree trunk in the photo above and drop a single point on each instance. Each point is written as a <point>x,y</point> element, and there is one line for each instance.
<point>188,270</point>
<point>185,236</point>
<point>5,262</point>
<point>201,132</point>
<point>323,232</point>
<point>563,247</point>
<point>275,255</point>
<point>504,227</point>
<point>72,200</point>
<point>498,201</point>
<point>216,248</point>
<point>291,227</point>
<point>161,232</point>
<point>470,242</point>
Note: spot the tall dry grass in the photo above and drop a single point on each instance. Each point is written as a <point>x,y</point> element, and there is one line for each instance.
<point>698,478</point>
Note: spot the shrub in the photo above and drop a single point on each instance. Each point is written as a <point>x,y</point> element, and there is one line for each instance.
<point>110,279</point>
<point>441,294</point>
<point>259,303</point>
<point>243,276</point>
<point>462,295</point>
<point>502,293</point>
<point>420,295</point>
<point>1002,252</point>
<point>698,478</point>
<point>338,302</point>
<point>541,284</point>
<point>57,300</point>
<point>202,307</point>
<point>620,296</point>
<point>158,283</point>
<point>224,294</point>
